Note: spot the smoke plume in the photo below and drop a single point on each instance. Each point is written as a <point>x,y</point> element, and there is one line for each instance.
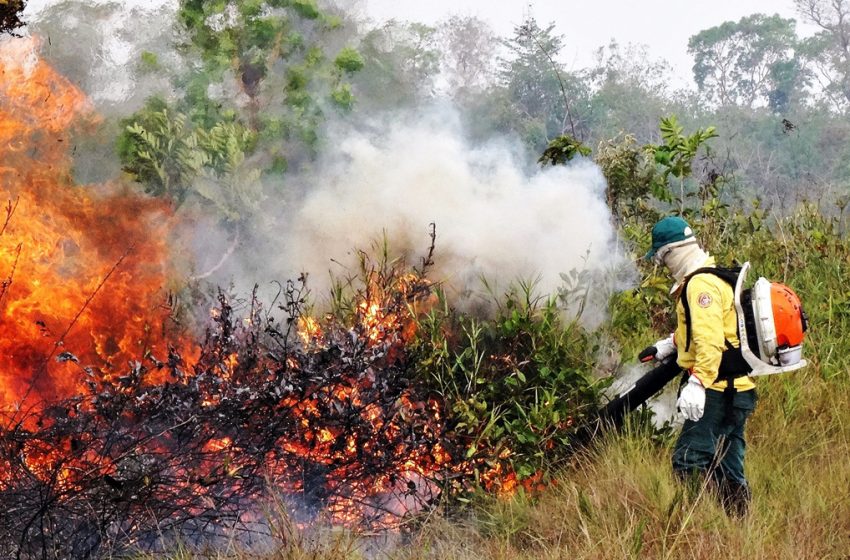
<point>495,220</point>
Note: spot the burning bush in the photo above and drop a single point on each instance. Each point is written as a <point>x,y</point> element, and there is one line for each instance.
<point>337,424</point>
<point>357,419</point>
<point>190,438</point>
<point>118,433</point>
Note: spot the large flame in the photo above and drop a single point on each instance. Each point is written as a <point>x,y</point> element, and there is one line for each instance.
<point>82,266</point>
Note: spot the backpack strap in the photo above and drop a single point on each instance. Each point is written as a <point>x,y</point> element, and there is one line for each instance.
<point>732,362</point>
<point>728,275</point>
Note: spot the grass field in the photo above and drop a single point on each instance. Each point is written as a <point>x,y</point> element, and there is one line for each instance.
<point>621,501</point>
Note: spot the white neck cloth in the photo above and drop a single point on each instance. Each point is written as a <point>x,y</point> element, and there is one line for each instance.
<point>683,260</point>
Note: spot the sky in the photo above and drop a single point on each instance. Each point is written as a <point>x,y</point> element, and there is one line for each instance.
<point>663,25</point>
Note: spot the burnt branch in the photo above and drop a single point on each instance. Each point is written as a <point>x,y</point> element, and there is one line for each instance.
<point>4,287</point>
<point>10,16</point>
<point>428,260</point>
<point>10,211</point>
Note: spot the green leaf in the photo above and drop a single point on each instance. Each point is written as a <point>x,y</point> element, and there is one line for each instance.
<point>343,97</point>
<point>306,8</point>
<point>349,60</point>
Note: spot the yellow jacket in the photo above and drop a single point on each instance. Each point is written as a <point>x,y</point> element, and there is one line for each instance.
<point>713,321</point>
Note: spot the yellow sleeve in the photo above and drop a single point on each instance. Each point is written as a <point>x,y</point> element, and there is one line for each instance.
<point>707,335</point>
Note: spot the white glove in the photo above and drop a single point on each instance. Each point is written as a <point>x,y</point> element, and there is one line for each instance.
<point>658,351</point>
<point>691,401</point>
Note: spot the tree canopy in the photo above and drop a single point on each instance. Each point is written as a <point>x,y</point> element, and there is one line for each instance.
<point>752,61</point>
<point>828,51</point>
<point>249,86</point>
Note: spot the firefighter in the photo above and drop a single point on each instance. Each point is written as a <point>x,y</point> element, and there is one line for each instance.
<point>715,401</point>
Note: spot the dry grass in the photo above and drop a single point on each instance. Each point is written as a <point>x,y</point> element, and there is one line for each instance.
<point>621,501</point>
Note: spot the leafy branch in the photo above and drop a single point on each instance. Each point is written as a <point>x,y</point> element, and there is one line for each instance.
<point>676,155</point>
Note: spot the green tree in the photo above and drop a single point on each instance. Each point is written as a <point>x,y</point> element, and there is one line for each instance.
<point>401,62</point>
<point>675,157</point>
<point>171,158</point>
<point>467,46</point>
<point>631,92</point>
<point>828,52</point>
<point>629,174</point>
<point>536,97</point>
<point>748,62</point>
<point>271,50</point>
<point>256,90</point>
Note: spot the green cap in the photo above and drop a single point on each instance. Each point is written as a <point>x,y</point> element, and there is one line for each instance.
<point>671,229</point>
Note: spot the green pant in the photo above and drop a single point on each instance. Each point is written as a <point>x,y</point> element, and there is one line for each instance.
<point>699,449</point>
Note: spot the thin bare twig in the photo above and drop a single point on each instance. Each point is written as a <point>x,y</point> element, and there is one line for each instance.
<point>8,281</point>
<point>568,112</point>
<point>60,341</point>
<point>10,210</point>
<point>428,260</point>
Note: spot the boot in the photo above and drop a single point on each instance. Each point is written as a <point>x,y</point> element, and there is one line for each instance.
<point>735,498</point>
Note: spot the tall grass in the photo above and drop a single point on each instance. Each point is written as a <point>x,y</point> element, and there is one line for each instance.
<point>620,500</point>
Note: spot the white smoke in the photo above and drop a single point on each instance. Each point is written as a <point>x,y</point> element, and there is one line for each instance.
<point>494,219</point>
<point>662,404</point>
<point>97,45</point>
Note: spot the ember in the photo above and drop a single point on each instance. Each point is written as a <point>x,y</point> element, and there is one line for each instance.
<point>96,455</point>
<point>339,430</point>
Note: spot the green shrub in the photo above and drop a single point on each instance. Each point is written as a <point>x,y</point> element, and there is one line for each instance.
<point>349,60</point>
<point>516,385</point>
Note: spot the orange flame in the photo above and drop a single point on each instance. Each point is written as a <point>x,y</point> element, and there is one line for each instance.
<point>309,330</point>
<point>82,266</point>
<point>374,317</point>
<point>218,444</point>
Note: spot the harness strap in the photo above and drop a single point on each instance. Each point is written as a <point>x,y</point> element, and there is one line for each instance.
<point>728,275</point>
<point>732,362</point>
